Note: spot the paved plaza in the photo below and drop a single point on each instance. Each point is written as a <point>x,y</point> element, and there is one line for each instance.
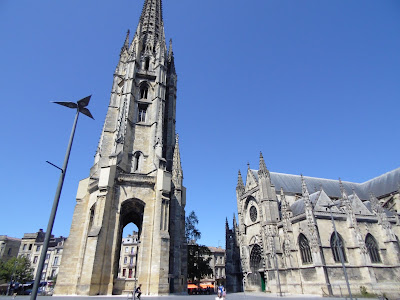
<point>233,296</point>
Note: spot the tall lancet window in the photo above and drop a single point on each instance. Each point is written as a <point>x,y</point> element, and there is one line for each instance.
<point>305,250</point>
<point>336,246</point>
<point>144,91</point>
<point>372,247</point>
<point>147,63</point>
<point>136,161</point>
<point>142,110</point>
<point>91,216</point>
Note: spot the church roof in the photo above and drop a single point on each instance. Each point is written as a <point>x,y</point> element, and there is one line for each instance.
<point>381,185</point>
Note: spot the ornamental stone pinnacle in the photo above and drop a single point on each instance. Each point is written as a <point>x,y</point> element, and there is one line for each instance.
<point>240,184</point>
<point>263,171</point>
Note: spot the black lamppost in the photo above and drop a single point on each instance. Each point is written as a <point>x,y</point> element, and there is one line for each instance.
<point>341,257</point>
<point>80,107</point>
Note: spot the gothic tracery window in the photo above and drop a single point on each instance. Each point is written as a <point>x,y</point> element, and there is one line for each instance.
<point>255,264</point>
<point>305,250</point>
<point>253,213</point>
<point>372,247</point>
<point>336,246</point>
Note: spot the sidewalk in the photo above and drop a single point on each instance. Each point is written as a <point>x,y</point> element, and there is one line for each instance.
<point>233,296</point>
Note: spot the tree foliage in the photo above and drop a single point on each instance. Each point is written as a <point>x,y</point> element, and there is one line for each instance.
<point>199,256</point>
<point>191,232</point>
<point>18,269</point>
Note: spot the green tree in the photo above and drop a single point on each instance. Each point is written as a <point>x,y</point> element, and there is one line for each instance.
<point>199,256</point>
<point>19,269</point>
<point>192,233</point>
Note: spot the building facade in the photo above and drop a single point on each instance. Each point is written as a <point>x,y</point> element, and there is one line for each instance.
<point>217,264</point>
<point>9,247</point>
<point>31,247</point>
<point>286,242</point>
<point>127,258</point>
<point>136,177</point>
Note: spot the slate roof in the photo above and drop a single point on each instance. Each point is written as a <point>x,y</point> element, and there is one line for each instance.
<point>381,185</point>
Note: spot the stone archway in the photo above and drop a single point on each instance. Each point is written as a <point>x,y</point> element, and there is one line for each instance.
<point>256,263</point>
<point>131,212</point>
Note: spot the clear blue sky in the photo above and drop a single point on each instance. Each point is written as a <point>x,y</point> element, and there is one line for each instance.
<point>314,85</point>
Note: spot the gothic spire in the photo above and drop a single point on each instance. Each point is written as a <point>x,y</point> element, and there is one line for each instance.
<point>176,164</point>
<point>125,46</point>
<point>284,203</point>
<point>126,43</point>
<point>170,51</point>
<point>351,218</point>
<point>171,63</point>
<point>262,170</point>
<point>151,27</point>
<point>304,190</point>
<point>240,185</point>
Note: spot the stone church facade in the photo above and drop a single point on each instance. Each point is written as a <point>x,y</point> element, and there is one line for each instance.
<point>136,177</point>
<point>284,239</point>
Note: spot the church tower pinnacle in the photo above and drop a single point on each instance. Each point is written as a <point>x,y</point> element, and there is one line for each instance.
<point>136,177</point>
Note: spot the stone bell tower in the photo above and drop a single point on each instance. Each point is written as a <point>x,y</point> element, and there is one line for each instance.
<point>136,177</point>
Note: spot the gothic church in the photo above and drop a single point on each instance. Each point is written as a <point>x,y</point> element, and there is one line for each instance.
<point>136,178</point>
<point>284,240</point>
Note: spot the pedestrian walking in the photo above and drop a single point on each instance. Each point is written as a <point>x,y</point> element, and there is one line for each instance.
<point>138,291</point>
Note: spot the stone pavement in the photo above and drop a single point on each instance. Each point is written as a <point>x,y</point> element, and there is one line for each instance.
<point>233,296</point>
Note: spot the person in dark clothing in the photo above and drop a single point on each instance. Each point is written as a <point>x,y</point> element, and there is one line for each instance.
<point>138,291</point>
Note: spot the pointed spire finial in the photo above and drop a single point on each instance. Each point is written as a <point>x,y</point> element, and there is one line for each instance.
<point>176,163</point>
<point>341,186</point>
<point>240,185</point>
<point>170,51</point>
<point>262,167</point>
<point>248,165</point>
<point>304,189</point>
<point>126,44</point>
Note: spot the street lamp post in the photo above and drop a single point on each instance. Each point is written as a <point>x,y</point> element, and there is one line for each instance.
<point>80,107</point>
<point>340,249</point>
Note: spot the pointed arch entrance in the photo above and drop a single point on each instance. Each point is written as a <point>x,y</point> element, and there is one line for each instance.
<point>256,278</point>
<point>127,259</point>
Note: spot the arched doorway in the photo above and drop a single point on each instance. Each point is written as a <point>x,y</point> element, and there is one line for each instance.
<point>256,278</point>
<point>127,262</point>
